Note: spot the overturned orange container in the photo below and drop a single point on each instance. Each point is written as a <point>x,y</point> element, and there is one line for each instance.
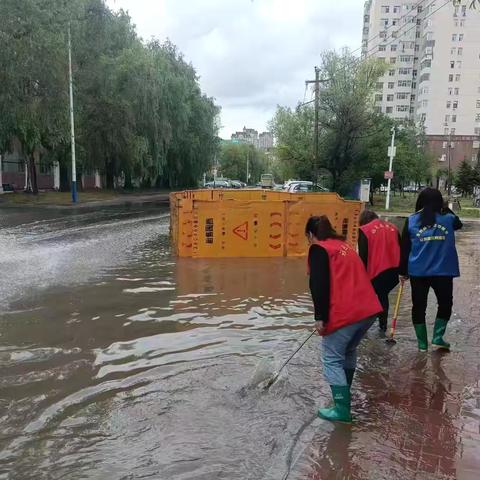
<point>253,223</point>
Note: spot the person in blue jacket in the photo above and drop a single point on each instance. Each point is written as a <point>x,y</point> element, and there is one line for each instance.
<point>429,259</point>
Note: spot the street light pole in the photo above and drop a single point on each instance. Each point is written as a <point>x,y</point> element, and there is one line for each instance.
<point>248,159</point>
<point>391,153</point>
<point>449,165</point>
<point>72,119</point>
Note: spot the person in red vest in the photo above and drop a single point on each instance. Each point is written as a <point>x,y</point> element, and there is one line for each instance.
<point>345,306</point>
<point>379,248</point>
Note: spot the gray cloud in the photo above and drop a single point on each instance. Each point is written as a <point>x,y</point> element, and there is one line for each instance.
<point>250,54</point>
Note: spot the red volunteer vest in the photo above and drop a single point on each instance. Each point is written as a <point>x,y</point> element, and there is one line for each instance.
<point>352,298</point>
<point>383,247</point>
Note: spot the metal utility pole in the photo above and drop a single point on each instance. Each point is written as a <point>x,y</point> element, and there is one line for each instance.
<point>391,154</point>
<point>317,111</point>
<point>72,119</point>
<point>248,159</point>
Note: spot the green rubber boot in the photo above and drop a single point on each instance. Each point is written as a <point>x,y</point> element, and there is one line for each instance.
<point>341,411</point>
<point>438,332</point>
<point>349,373</point>
<point>421,332</point>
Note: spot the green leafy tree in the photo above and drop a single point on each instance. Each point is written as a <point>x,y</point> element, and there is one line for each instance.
<point>139,110</point>
<point>465,178</point>
<point>233,162</point>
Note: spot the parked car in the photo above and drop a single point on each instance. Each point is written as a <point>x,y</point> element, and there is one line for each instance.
<point>218,184</point>
<point>302,187</point>
<point>237,184</point>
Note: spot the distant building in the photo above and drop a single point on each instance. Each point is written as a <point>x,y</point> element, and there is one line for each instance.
<point>264,141</point>
<point>433,70</point>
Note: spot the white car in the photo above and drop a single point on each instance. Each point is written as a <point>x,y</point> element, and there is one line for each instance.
<point>302,187</point>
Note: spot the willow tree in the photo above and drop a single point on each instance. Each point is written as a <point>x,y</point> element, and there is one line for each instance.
<point>33,95</point>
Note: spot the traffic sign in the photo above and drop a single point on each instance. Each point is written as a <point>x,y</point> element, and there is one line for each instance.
<point>388,175</point>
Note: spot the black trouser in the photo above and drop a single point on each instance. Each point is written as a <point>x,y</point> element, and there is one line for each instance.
<point>443,288</point>
<point>383,284</point>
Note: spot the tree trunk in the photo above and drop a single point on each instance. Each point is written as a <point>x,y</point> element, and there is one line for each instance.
<point>32,175</point>
<point>109,176</point>
<point>128,181</point>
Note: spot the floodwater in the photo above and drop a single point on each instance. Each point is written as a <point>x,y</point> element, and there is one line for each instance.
<point>118,361</point>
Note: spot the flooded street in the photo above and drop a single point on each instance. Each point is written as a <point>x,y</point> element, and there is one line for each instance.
<point>119,361</point>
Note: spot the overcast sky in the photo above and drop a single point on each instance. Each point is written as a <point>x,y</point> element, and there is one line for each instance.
<point>250,54</point>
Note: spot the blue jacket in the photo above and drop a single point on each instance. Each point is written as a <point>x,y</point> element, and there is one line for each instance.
<point>433,252</point>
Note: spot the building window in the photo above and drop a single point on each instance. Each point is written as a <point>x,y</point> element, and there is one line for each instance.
<point>460,37</point>
<point>478,103</point>
<point>385,9</point>
<point>389,110</point>
<point>403,108</point>
<point>454,37</point>
<point>455,104</point>
<point>391,85</point>
<point>404,83</point>
<point>378,97</point>
<point>477,130</point>
<point>445,131</point>
<point>378,109</point>
<point>452,64</point>
<point>396,9</point>
<point>449,104</point>
<point>477,117</point>
<point>456,91</point>
<point>394,34</point>
<point>447,118</point>
<point>459,64</point>
<point>464,10</point>
<point>379,86</point>
<point>424,103</point>
<point>452,51</point>
<point>412,98</point>
<point>405,58</point>
<point>414,73</point>
<point>462,23</point>
<point>393,60</point>
<point>393,48</point>
<point>382,34</point>
<point>457,77</point>
<point>455,22</point>
<point>384,22</point>
<point>402,96</point>
<point>450,91</point>
<point>404,71</point>
<point>454,118</point>
<point>381,59</point>
<point>417,48</point>
<point>450,78</point>
<point>391,73</point>
<point>460,51</point>
<point>389,98</point>
<point>382,48</point>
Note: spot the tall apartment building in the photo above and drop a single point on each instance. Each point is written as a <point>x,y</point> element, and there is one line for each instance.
<point>432,49</point>
<point>264,141</point>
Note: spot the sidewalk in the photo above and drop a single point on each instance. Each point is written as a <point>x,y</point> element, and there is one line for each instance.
<point>417,414</point>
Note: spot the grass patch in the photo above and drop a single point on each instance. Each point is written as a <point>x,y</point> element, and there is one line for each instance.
<point>400,204</point>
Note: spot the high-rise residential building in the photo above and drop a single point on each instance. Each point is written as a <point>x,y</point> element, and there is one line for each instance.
<point>264,141</point>
<point>432,52</point>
